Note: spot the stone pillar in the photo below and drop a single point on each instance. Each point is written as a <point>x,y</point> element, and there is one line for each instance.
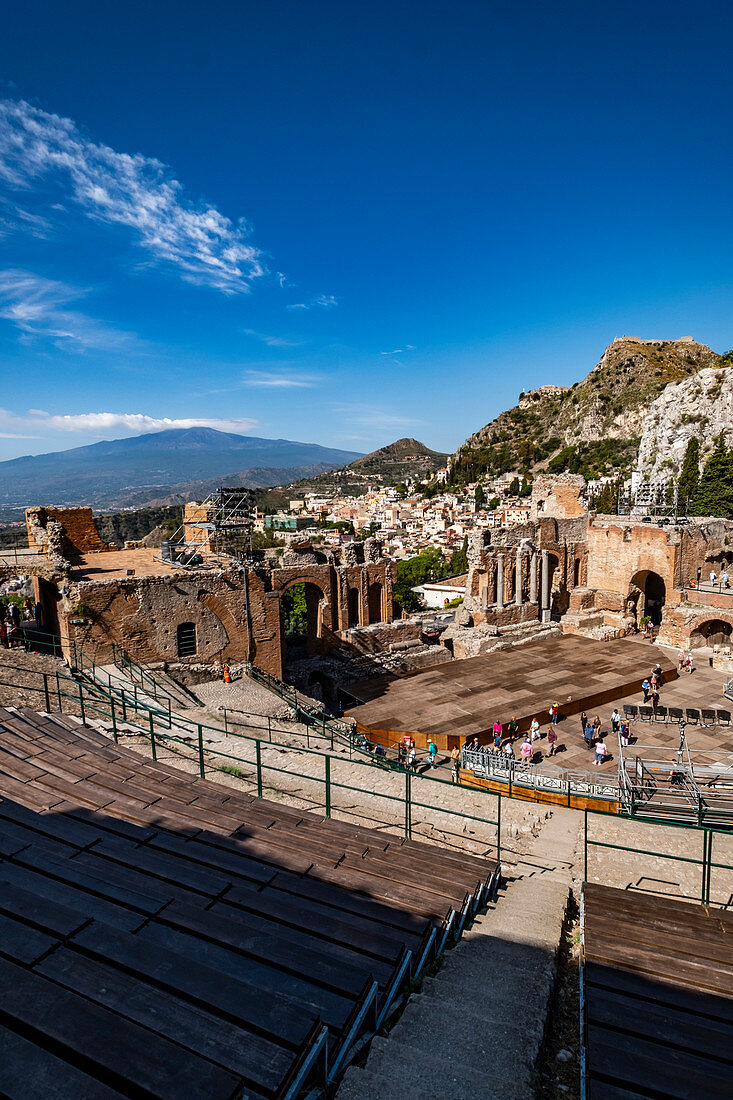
<point>533,578</point>
<point>500,581</point>
<point>545,587</point>
<point>518,579</point>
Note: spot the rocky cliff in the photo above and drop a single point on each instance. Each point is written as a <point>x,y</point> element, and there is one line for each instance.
<point>701,406</point>
<point>591,427</point>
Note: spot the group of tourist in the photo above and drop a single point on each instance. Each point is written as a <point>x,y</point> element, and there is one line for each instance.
<point>650,686</point>
<point>11,634</point>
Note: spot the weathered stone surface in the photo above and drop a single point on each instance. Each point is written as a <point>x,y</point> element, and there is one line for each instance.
<point>701,406</point>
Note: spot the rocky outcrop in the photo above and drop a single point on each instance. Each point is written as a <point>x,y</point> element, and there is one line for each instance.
<point>701,406</point>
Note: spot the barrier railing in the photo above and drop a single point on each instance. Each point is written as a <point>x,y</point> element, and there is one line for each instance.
<point>518,775</point>
<point>140,719</point>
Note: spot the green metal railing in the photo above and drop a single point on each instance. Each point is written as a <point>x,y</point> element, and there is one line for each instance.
<point>134,716</point>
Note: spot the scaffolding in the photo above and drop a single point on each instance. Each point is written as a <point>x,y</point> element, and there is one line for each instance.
<point>682,786</point>
<point>215,532</point>
<point>653,499</point>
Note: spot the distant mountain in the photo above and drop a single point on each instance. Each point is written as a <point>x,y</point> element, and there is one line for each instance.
<point>148,467</point>
<point>397,462</point>
<point>592,427</point>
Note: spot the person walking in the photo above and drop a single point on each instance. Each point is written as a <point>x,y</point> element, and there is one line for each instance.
<point>455,762</point>
<point>624,734</point>
<point>412,758</point>
<point>498,729</point>
<point>526,750</point>
<point>512,729</point>
<point>597,727</point>
<point>497,739</point>
<point>509,750</point>
<point>600,752</point>
<point>551,740</point>
<point>583,722</point>
<point>615,720</point>
<point>654,697</point>
<point>646,687</point>
<point>555,713</point>
<point>725,579</point>
<point>432,752</point>
<point>534,730</point>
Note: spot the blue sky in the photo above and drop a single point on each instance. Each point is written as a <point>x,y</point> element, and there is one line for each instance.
<point>345,223</point>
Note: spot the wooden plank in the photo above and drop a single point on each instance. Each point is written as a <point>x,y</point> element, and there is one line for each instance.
<point>59,892</point>
<point>206,976</point>
<point>679,941</point>
<point>633,1063</point>
<point>665,1024</point>
<point>54,917</point>
<point>692,972</point>
<point>289,950</point>
<point>59,825</point>
<point>262,1063</point>
<point>129,1056</point>
<point>656,990</point>
<point>28,1072</point>
<point>22,943</point>
<point>345,901</point>
<point>307,998</point>
<point>233,863</point>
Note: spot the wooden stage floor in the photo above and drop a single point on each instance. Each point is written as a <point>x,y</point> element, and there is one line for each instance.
<point>463,699</point>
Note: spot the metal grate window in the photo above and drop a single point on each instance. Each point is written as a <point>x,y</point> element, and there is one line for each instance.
<point>186,635</point>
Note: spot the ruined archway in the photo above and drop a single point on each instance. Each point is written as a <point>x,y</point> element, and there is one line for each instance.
<point>711,632</point>
<point>375,602</point>
<point>647,594</point>
<point>301,620</point>
<point>353,607</point>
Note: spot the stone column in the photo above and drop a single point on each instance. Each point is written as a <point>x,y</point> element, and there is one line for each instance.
<point>533,578</point>
<point>518,579</point>
<point>545,587</point>
<point>500,581</point>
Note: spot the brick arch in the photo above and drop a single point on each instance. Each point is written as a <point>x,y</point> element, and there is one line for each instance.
<point>236,632</point>
<point>712,616</point>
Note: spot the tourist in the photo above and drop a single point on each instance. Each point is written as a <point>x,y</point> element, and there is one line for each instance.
<point>509,750</point>
<point>597,727</point>
<point>583,722</point>
<point>681,660</point>
<point>654,698</point>
<point>432,752</point>
<point>724,579</point>
<point>689,663</point>
<point>555,713</point>
<point>713,576</point>
<point>657,674</point>
<point>526,750</point>
<point>646,687</point>
<point>600,752</point>
<point>497,738</point>
<point>625,733</point>
<point>455,763</point>
<point>498,730</point>
<point>615,720</point>
<point>379,750</point>
<point>513,729</point>
<point>534,730</point>
<point>588,733</point>
<point>412,758</point>
<point>551,740</point>
<point>676,775</point>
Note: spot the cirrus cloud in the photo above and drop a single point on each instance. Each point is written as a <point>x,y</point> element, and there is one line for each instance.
<point>130,190</point>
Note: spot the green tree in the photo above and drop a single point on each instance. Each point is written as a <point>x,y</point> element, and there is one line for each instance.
<point>294,611</point>
<point>690,475</point>
<point>459,559</point>
<point>714,496</point>
<point>428,566</point>
<point>479,496</point>
<point>513,489</point>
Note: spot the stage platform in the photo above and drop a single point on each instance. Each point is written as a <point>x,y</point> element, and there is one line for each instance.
<point>463,699</point>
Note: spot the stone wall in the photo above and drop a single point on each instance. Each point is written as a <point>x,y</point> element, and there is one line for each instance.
<point>78,535</point>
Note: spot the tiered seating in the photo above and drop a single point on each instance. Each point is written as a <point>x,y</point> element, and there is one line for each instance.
<point>162,935</point>
<point>657,997</point>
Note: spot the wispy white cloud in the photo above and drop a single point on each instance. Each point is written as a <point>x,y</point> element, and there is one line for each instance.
<point>399,351</point>
<point>279,381</point>
<point>38,307</point>
<point>371,417</point>
<point>14,426</point>
<point>321,301</point>
<point>273,341</point>
<point>135,191</point>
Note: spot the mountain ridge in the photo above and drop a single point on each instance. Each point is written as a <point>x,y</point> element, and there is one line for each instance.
<point>104,473</point>
<point>594,425</point>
